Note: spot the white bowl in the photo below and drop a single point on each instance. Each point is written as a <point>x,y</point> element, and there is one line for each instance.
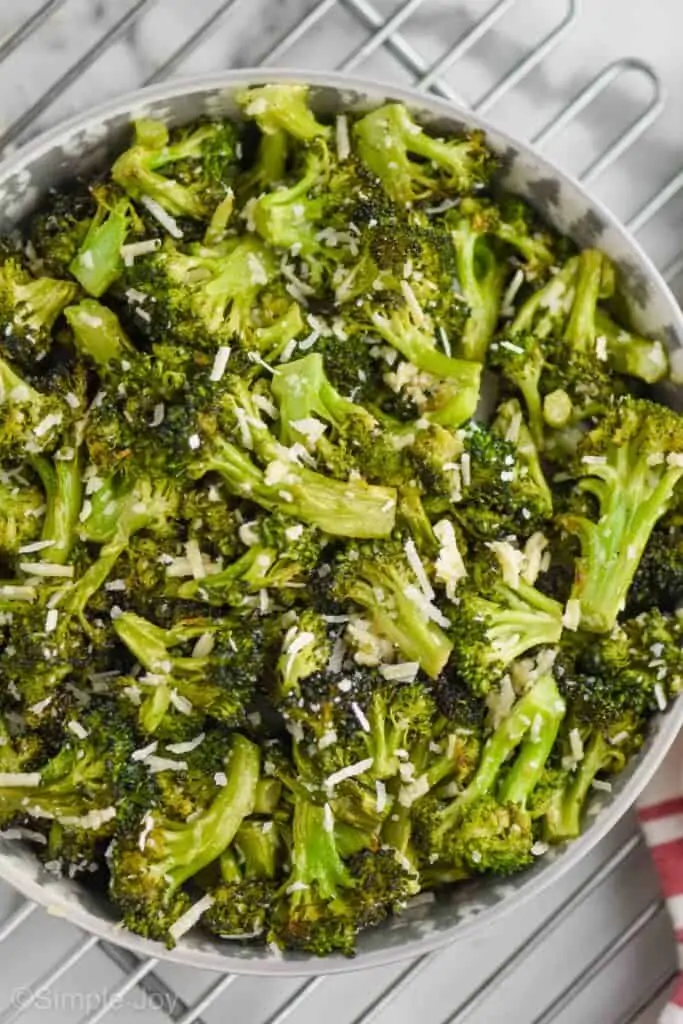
<point>83,143</point>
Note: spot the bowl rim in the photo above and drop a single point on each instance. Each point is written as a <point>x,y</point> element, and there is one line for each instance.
<point>670,724</point>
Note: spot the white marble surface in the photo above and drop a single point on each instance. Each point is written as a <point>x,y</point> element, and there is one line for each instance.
<point>245,33</point>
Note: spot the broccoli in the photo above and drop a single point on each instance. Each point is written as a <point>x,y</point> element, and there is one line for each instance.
<point>326,900</point>
<point>636,669</point>
<point>250,870</point>
<point>389,141</point>
<point>21,511</point>
<point>496,622</point>
<point>379,579</point>
<point>488,826</point>
<point>145,506</point>
<point>631,354</point>
<point>555,352</point>
<point>76,787</point>
<point>63,488</point>
<point>631,464</point>
<point>603,751</point>
<point>504,491</point>
<point>98,262</point>
<point>481,273</point>
<point>29,308</point>
<point>98,334</point>
<point>57,229</point>
<point>282,108</point>
<point>658,582</point>
<point>343,509</point>
<point>186,172</point>
<point>515,224</point>
<point>234,662</point>
<point>203,299</point>
<point>449,391</point>
<point>281,554</point>
<point>307,402</point>
<point>148,870</point>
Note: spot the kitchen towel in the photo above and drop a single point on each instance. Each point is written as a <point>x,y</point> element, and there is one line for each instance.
<point>660,810</point>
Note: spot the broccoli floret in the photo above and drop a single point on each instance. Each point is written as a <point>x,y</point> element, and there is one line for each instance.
<point>342,509</point>
<point>379,579</point>
<point>250,873</point>
<point>413,165</point>
<point>450,391</point>
<point>281,554</point>
<point>219,684</point>
<point>635,670</point>
<point>552,351</point>
<point>496,623</point>
<point>481,273</point>
<point>507,492</point>
<point>21,511</point>
<point>57,230</point>
<point>603,752</point>
<point>29,308</point>
<point>514,223</point>
<point>77,786</point>
<point>325,900</point>
<point>631,463</point>
<point>202,299</point>
<point>658,582</point>
<point>488,826</point>
<point>147,874</point>
<point>187,172</point>
<point>306,649</point>
<point>308,403</point>
<point>277,108</point>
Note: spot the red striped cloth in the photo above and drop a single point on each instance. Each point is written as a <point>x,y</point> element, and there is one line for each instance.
<point>660,810</point>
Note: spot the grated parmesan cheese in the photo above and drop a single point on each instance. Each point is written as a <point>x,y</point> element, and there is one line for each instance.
<point>187,746</point>
<point>418,568</point>
<point>349,772</point>
<point>12,779</point>
<point>194,557</point>
<point>572,614</point>
<point>189,919</point>
<point>342,136</point>
<point>449,567</point>
<point>165,219</point>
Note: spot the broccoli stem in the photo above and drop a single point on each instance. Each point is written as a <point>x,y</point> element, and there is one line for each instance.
<point>98,263</point>
<point>342,509</point>
<point>63,485</point>
<point>401,620</point>
<point>544,313</point>
<point>188,848</point>
<point>98,333</point>
<point>315,857</point>
<point>481,276</point>
<point>631,354</point>
<point>581,327</point>
<point>563,819</point>
<point>282,108</point>
<point>632,500</point>
<point>543,699</point>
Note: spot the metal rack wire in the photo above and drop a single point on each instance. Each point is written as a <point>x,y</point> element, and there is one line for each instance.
<point>387,32</point>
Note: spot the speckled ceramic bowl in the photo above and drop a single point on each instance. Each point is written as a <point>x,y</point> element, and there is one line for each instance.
<point>86,142</point>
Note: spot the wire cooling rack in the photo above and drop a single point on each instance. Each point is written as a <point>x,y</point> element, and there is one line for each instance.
<point>595,950</point>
